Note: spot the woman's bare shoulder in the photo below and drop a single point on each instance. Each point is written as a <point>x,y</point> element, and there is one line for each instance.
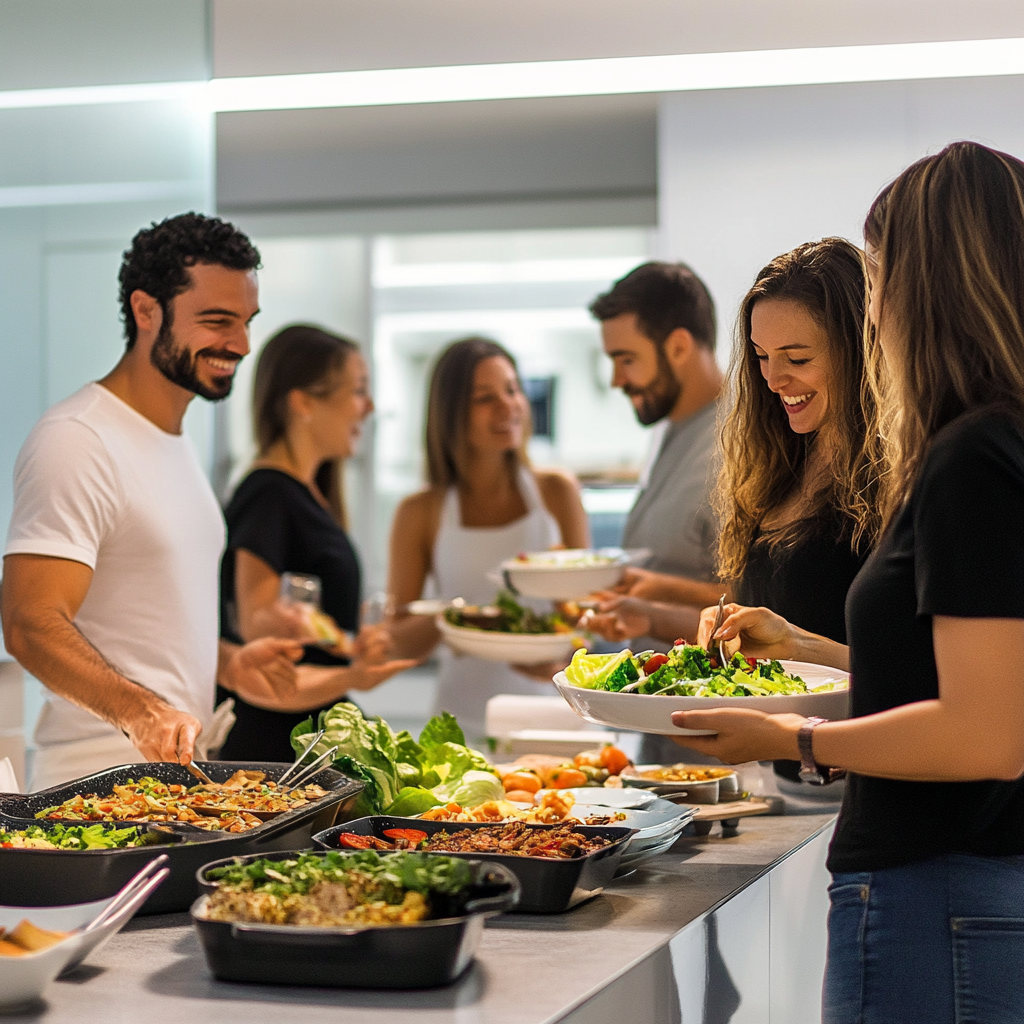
<point>557,483</point>
<point>422,509</point>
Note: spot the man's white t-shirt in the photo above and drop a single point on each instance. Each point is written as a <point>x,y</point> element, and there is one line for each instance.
<point>98,483</point>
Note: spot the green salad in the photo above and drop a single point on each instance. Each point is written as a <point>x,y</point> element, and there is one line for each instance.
<point>686,671</point>
<point>72,837</point>
<point>506,615</point>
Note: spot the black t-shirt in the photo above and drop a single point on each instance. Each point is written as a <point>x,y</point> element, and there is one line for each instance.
<point>956,549</point>
<point>275,517</point>
<point>806,583</point>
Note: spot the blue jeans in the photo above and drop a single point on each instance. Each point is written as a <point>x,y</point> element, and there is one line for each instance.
<point>938,942</point>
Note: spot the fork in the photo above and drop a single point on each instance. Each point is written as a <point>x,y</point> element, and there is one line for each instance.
<point>719,619</point>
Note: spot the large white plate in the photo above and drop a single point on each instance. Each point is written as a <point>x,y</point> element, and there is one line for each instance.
<point>645,713</point>
<point>510,648</point>
<point>554,576</point>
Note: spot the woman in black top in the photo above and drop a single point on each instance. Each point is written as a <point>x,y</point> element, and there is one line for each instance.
<point>310,397</point>
<point>797,479</point>
<point>927,919</point>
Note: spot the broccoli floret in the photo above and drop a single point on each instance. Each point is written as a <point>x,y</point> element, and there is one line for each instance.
<point>623,675</point>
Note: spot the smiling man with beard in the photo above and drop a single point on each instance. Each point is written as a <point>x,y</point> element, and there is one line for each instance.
<point>110,583</point>
<point>658,328</point>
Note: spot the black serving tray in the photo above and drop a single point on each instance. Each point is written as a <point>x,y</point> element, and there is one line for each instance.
<point>46,878</point>
<point>421,955</point>
<point>549,886</point>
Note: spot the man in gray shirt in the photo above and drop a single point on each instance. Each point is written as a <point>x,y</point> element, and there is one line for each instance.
<point>658,328</point>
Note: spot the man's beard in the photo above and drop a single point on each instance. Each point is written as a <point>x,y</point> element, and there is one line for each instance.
<point>181,367</point>
<point>658,399</point>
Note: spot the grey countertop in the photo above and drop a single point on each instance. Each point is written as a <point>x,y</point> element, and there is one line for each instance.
<point>530,969</point>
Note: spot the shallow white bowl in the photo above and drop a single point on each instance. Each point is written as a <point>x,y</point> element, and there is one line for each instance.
<point>645,713</point>
<point>556,579</point>
<point>23,978</point>
<point>509,648</point>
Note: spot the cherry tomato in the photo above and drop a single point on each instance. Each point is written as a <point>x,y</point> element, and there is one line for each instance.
<point>752,663</point>
<point>567,778</point>
<point>679,643</point>
<point>529,781</point>
<point>410,835</point>
<point>654,662</point>
<point>354,842</point>
<point>613,759</point>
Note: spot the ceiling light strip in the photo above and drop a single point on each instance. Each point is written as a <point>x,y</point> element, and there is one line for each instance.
<point>535,79</point>
<point>622,75</point>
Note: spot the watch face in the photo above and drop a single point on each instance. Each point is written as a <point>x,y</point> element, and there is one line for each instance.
<point>811,775</point>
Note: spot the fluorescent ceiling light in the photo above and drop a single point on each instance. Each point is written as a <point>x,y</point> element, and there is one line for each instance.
<point>92,95</point>
<point>622,75</point>
<point>418,275</point>
<point>597,77</point>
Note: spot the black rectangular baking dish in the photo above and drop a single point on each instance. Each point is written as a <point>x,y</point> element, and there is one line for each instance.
<point>549,886</point>
<point>423,955</point>
<point>45,878</point>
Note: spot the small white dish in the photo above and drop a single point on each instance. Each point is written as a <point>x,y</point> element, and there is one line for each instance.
<point>23,978</point>
<point>509,648</point>
<point>653,713</point>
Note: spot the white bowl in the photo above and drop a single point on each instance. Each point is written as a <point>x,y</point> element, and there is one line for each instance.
<point>554,576</point>
<point>651,713</point>
<point>23,978</point>
<point>510,648</point>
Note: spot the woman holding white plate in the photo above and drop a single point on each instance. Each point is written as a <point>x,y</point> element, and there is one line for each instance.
<point>797,489</point>
<point>928,856</point>
<point>484,503</point>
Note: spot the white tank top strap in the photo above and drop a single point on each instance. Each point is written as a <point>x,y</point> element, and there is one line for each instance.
<point>529,490</point>
<point>451,512</point>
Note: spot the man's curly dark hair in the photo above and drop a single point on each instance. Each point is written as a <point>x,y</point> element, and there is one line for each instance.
<point>160,255</point>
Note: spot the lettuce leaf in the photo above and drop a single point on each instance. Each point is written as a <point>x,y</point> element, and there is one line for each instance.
<point>413,800</point>
<point>442,728</point>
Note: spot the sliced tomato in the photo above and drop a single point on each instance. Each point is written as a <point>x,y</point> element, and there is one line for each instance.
<point>354,842</point>
<point>752,662</point>
<point>654,662</point>
<point>411,835</point>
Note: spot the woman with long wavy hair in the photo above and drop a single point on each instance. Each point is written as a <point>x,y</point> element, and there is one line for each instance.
<point>926,921</point>
<point>797,489</point>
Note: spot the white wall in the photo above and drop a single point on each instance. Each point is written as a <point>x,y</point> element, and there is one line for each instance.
<point>745,175</point>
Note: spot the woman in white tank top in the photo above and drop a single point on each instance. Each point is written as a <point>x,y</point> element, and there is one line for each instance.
<point>483,504</point>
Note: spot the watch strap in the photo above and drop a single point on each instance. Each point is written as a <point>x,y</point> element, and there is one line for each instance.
<point>810,770</point>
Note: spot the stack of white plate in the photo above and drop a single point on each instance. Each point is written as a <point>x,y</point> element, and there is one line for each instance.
<point>659,822</point>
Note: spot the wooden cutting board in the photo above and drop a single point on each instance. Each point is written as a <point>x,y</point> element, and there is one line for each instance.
<point>733,809</point>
